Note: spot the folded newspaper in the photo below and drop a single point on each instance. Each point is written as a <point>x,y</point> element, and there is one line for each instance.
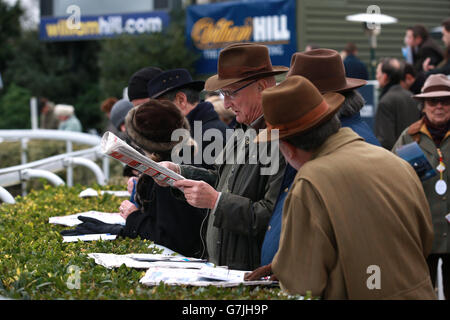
<point>118,149</point>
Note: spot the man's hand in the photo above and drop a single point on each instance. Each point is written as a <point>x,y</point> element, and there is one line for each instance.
<point>169,165</point>
<point>126,208</point>
<point>198,194</point>
<point>260,273</point>
<point>426,65</point>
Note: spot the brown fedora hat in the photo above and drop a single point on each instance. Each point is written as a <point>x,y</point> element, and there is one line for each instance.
<point>295,106</point>
<point>325,69</point>
<point>436,86</point>
<point>242,61</point>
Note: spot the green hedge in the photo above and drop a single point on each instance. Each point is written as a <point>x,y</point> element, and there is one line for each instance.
<point>34,261</point>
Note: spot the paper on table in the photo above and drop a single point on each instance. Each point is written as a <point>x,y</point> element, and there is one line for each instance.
<point>162,257</point>
<point>72,220</point>
<point>90,237</point>
<point>222,274</point>
<point>109,260</point>
<point>190,277</point>
<point>89,192</point>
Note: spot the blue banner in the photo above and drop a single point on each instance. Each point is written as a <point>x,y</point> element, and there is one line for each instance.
<point>99,27</point>
<point>211,27</point>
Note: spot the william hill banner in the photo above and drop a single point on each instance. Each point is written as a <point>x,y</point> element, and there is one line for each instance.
<point>211,27</point>
<point>99,27</point>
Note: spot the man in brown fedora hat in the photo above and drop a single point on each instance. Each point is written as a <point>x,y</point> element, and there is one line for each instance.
<point>356,224</point>
<point>239,197</point>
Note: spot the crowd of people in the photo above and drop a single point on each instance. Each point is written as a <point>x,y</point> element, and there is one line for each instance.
<point>343,216</point>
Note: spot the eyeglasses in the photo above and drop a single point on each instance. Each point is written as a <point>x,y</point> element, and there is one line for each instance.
<point>445,101</point>
<point>232,94</point>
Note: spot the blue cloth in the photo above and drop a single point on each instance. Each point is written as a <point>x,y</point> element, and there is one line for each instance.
<point>357,124</point>
<point>133,193</point>
<point>272,237</point>
<point>355,68</point>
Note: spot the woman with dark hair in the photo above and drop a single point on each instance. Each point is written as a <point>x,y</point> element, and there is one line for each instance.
<point>444,66</point>
<point>432,134</point>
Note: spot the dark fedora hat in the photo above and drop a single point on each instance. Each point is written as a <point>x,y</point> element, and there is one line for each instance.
<point>295,106</point>
<point>137,85</point>
<point>325,69</point>
<point>171,80</point>
<point>240,62</point>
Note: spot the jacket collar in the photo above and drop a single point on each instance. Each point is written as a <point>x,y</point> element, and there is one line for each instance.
<point>203,111</point>
<point>420,127</point>
<point>342,137</point>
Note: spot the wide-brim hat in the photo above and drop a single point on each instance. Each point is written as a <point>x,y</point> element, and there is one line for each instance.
<point>325,69</point>
<point>436,86</point>
<point>171,80</point>
<point>240,62</point>
<point>150,125</point>
<point>296,106</point>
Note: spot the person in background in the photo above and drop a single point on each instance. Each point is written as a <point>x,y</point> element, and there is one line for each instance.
<point>408,40</point>
<point>48,120</point>
<point>137,85</point>
<point>432,134</point>
<point>356,222</point>
<point>444,66</point>
<point>411,79</point>
<point>425,48</point>
<point>396,108</point>
<point>177,86</point>
<point>67,118</point>
<point>117,116</point>
<point>106,107</point>
<point>354,68</point>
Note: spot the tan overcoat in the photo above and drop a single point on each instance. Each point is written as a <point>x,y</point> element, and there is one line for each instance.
<point>356,225</point>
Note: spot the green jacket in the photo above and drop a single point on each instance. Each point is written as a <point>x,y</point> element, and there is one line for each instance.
<point>71,124</point>
<point>235,230</point>
<point>439,204</point>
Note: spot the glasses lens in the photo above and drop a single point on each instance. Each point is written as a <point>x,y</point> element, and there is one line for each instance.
<point>445,101</point>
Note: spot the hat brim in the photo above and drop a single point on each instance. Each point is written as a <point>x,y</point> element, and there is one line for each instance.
<point>214,83</point>
<point>196,85</point>
<point>433,94</point>
<point>334,101</point>
<point>353,83</point>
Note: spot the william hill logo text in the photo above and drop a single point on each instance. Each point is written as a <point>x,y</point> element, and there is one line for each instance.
<point>104,27</point>
<point>208,34</point>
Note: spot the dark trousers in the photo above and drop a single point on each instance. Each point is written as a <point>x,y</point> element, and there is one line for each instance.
<point>432,261</point>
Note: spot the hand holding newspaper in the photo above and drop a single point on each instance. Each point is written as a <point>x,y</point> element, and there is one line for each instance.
<point>118,149</point>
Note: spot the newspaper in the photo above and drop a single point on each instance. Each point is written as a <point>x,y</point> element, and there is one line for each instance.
<point>90,237</point>
<point>116,148</point>
<point>206,276</point>
<point>72,220</point>
<point>89,192</point>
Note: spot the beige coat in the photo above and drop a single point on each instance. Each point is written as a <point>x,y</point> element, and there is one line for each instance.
<point>353,208</point>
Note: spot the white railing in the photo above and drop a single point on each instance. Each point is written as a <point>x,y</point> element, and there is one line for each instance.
<point>45,168</point>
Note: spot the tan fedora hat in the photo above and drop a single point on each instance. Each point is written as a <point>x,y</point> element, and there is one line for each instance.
<point>295,106</point>
<point>436,86</point>
<point>325,69</point>
<point>242,61</point>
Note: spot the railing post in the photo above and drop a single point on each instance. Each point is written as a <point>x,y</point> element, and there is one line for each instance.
<point>69,167</point>
<point>24,160</point>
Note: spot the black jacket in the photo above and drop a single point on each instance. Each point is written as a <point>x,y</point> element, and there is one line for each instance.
<point>204,112</point>
<point>165,220</point>
<point>428,49</point>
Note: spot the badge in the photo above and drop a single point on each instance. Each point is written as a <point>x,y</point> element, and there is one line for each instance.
<point>440,187</point>
<point>440,167</point>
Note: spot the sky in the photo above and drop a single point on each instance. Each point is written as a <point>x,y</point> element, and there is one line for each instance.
<point>31,18</point>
